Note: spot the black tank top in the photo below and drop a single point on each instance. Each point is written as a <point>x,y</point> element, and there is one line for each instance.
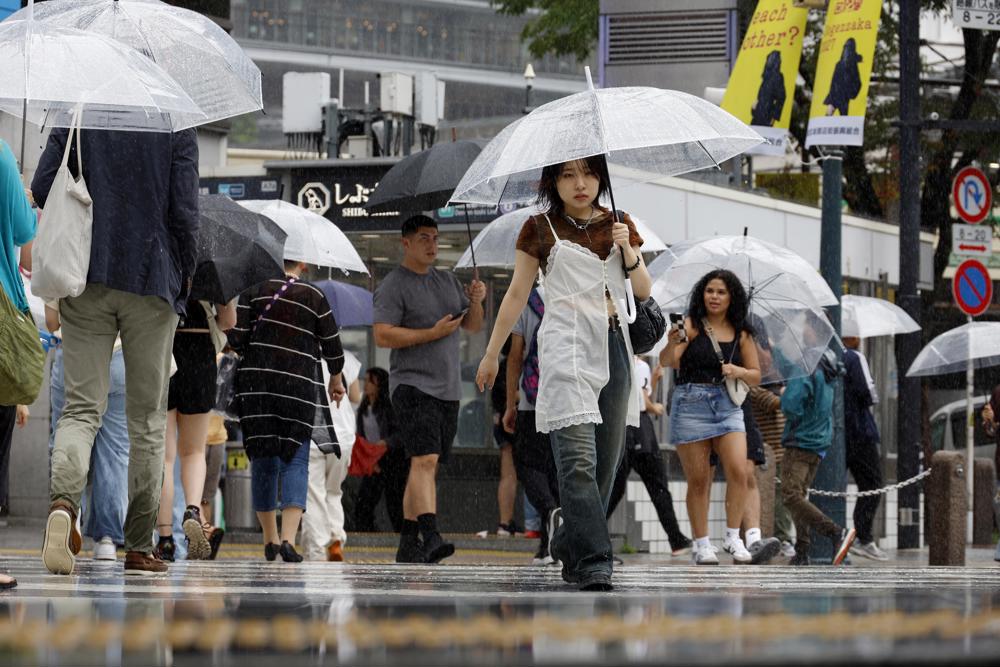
<point>699,365</point>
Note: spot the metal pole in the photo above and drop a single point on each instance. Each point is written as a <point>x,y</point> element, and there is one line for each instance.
<point>831,475</point>
<point>970,379</point>
<point>908,424</point>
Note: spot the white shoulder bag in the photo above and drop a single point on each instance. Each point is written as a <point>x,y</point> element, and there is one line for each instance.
<point>736,388</point>
<point>60,256</point>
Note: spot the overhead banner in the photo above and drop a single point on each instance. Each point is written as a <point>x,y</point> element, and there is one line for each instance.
<point>843,71</point>
<point>762,84</point>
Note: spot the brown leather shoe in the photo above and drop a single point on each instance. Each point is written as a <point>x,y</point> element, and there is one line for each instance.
<point>62,539</point>
<point>334,552</point>
<point>137,562</point>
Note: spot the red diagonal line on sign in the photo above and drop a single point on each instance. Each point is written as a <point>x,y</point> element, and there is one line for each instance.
<point>965,277</point>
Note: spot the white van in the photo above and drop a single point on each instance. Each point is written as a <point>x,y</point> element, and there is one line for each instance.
<point>948,428</point>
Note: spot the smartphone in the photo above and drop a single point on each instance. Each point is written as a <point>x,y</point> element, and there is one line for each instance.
<point>677,322</point>
<point>459,315</point>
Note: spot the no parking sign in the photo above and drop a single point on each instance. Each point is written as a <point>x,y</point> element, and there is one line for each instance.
<point>972,287</point>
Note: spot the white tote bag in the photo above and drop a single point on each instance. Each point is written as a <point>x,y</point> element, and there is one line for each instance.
<point>60,256</point>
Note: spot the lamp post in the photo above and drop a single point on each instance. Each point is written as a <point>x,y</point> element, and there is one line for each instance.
<point>529,76</point>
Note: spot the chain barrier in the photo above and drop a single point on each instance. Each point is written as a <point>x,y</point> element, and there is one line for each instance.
<point>864,494</point>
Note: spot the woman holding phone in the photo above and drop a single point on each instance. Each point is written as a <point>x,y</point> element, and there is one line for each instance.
<point>585,397</point>
<point>703,418</point>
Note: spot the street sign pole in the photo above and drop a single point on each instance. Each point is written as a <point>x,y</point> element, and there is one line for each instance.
<point>970,380</point>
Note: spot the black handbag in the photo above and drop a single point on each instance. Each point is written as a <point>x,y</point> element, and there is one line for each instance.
<point>650,325</point>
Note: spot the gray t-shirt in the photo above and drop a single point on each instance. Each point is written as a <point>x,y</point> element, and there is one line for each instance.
<point>417,301</point>
<point>525,327</point>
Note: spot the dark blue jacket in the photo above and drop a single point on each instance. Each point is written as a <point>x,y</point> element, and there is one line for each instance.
<point>859,424</point>
<point>145,191</point>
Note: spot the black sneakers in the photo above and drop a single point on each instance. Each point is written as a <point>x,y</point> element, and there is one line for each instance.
<point>165,549</point>
<point>198,545</point>
<point>410,550</point>
<point>436,549</point>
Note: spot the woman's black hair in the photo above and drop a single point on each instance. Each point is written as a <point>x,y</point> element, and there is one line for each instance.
<point>382,401</point>
<point>548,189</point>
<point>739,303</point>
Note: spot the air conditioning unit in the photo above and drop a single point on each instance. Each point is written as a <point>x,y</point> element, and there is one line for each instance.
<point>396,93</point>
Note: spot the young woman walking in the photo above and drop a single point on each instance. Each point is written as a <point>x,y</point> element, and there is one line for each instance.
<point>585,397</point>
<point>703,418</point>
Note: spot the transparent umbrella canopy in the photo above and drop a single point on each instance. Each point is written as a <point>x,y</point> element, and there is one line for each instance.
<point>48,70</point>
<point>754,261</point>
<point>951,351</point>
<point>661,132</point>
<point>495,244</point>
<point>202,58</point>
<point>867,317</point>
<point>311,238</point>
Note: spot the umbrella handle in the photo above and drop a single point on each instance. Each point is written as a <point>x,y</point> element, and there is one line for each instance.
<point>627,305</point>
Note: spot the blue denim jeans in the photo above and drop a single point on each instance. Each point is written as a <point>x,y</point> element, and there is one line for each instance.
<point>587,457</point>
<point>105,503</point>
<point>265,474</point>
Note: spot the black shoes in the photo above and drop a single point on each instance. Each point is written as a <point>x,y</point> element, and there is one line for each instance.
<point>436,549</point>
<point>165,549</point>
<point>410,550</point>
<point>800,558</point>
<point>289,554</point>
<point>271,551</point>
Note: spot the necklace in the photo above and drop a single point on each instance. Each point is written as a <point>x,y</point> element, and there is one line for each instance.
<point>581,227</point>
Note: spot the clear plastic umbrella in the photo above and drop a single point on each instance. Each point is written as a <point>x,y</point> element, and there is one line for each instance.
<point>207,63</point>
<point>495,244</point>
<point>48,70</point>
<point>311,238</point>
<point>866,317</point>
<point>661,132</point>
<point>756,262</point>
<point>790,327</point>
<point>951,351</point>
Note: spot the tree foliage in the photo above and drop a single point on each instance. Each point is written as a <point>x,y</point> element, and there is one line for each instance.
<point>560,27</point>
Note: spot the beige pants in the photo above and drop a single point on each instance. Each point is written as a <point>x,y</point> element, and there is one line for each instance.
<point>323,521</point>
<point>90,324</point>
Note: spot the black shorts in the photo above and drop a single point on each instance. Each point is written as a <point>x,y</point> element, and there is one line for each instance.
<point>502,437</point>
<point>424,425</point>
<point>192,387</point>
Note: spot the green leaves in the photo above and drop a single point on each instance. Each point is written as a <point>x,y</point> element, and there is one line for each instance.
<point>559,27</point>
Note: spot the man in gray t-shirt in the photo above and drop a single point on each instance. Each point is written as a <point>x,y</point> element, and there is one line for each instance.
<point>418,311</point>
<point>533,460</point>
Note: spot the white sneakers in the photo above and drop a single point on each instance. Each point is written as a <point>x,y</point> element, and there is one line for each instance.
<point>704,555</point>
<point>787,550</point>
<point>736,549</point>
<point>105,549</point>
<point>869,550</point>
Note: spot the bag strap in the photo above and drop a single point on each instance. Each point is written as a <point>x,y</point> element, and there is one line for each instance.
<point>274,300</point>
<point>715,343</point>
<point>74,128</point>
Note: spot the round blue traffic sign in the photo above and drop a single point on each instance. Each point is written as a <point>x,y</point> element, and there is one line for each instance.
<point>972,287</point>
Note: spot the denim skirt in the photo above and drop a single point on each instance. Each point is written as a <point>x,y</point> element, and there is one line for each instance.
<point>701,412</point>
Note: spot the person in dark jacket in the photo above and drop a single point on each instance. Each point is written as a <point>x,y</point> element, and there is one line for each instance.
<point>377,424</point>
<point>284,330</point>
<point>144,186</point>
<point>771,94</point>
<point>862,437</point>
<point>846,82</point>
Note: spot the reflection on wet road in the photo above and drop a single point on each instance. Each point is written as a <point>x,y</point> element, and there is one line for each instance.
<point>250,613</point>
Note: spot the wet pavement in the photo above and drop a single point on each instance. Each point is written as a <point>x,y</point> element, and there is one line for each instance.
<point>248,612</point>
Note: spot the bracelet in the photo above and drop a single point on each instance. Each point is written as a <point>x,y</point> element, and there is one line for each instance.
<point>638,261</point>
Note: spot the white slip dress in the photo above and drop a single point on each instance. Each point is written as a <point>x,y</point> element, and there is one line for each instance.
<point>573,336</point>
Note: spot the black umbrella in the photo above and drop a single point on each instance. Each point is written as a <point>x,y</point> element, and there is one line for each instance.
<point>237,249</point>
<point>425,180</point>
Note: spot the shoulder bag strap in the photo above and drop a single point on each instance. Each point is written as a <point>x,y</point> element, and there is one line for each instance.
<point>715,343</point>
<point>274,299</point>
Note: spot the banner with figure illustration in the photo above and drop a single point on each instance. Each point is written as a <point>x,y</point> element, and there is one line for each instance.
<point>843,71</point>
<point>762,84</point>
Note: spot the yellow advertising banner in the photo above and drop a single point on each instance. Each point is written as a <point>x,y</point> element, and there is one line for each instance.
<point>762,84</point>
<point>843,71</point>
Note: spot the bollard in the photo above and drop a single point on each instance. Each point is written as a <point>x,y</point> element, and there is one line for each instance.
<point>983,489</point>
<point>236,500</point>
<point>947,505</point>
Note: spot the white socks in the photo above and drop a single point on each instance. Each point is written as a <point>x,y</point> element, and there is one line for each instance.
<point>752,536</point>
<point>702,542</point>
<point>732,534</point>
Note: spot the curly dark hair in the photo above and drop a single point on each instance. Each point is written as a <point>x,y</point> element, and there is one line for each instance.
<point>381,379</point>
<point>739,303</point>
<point>548,190</point>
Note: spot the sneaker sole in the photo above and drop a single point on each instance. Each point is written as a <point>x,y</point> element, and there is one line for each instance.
<point>198,546</point>
<point>707,562</point>
<point>845,547</point>
<point>737,560</point>
<point>106,559</point>
<point>766,553</point>
<point>56,553</point>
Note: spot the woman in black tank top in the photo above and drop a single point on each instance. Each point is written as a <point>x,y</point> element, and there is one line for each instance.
<point>702,417</point>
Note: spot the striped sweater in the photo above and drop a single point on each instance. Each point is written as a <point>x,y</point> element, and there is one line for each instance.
<point>281,398</point>
<point>766,406</point>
